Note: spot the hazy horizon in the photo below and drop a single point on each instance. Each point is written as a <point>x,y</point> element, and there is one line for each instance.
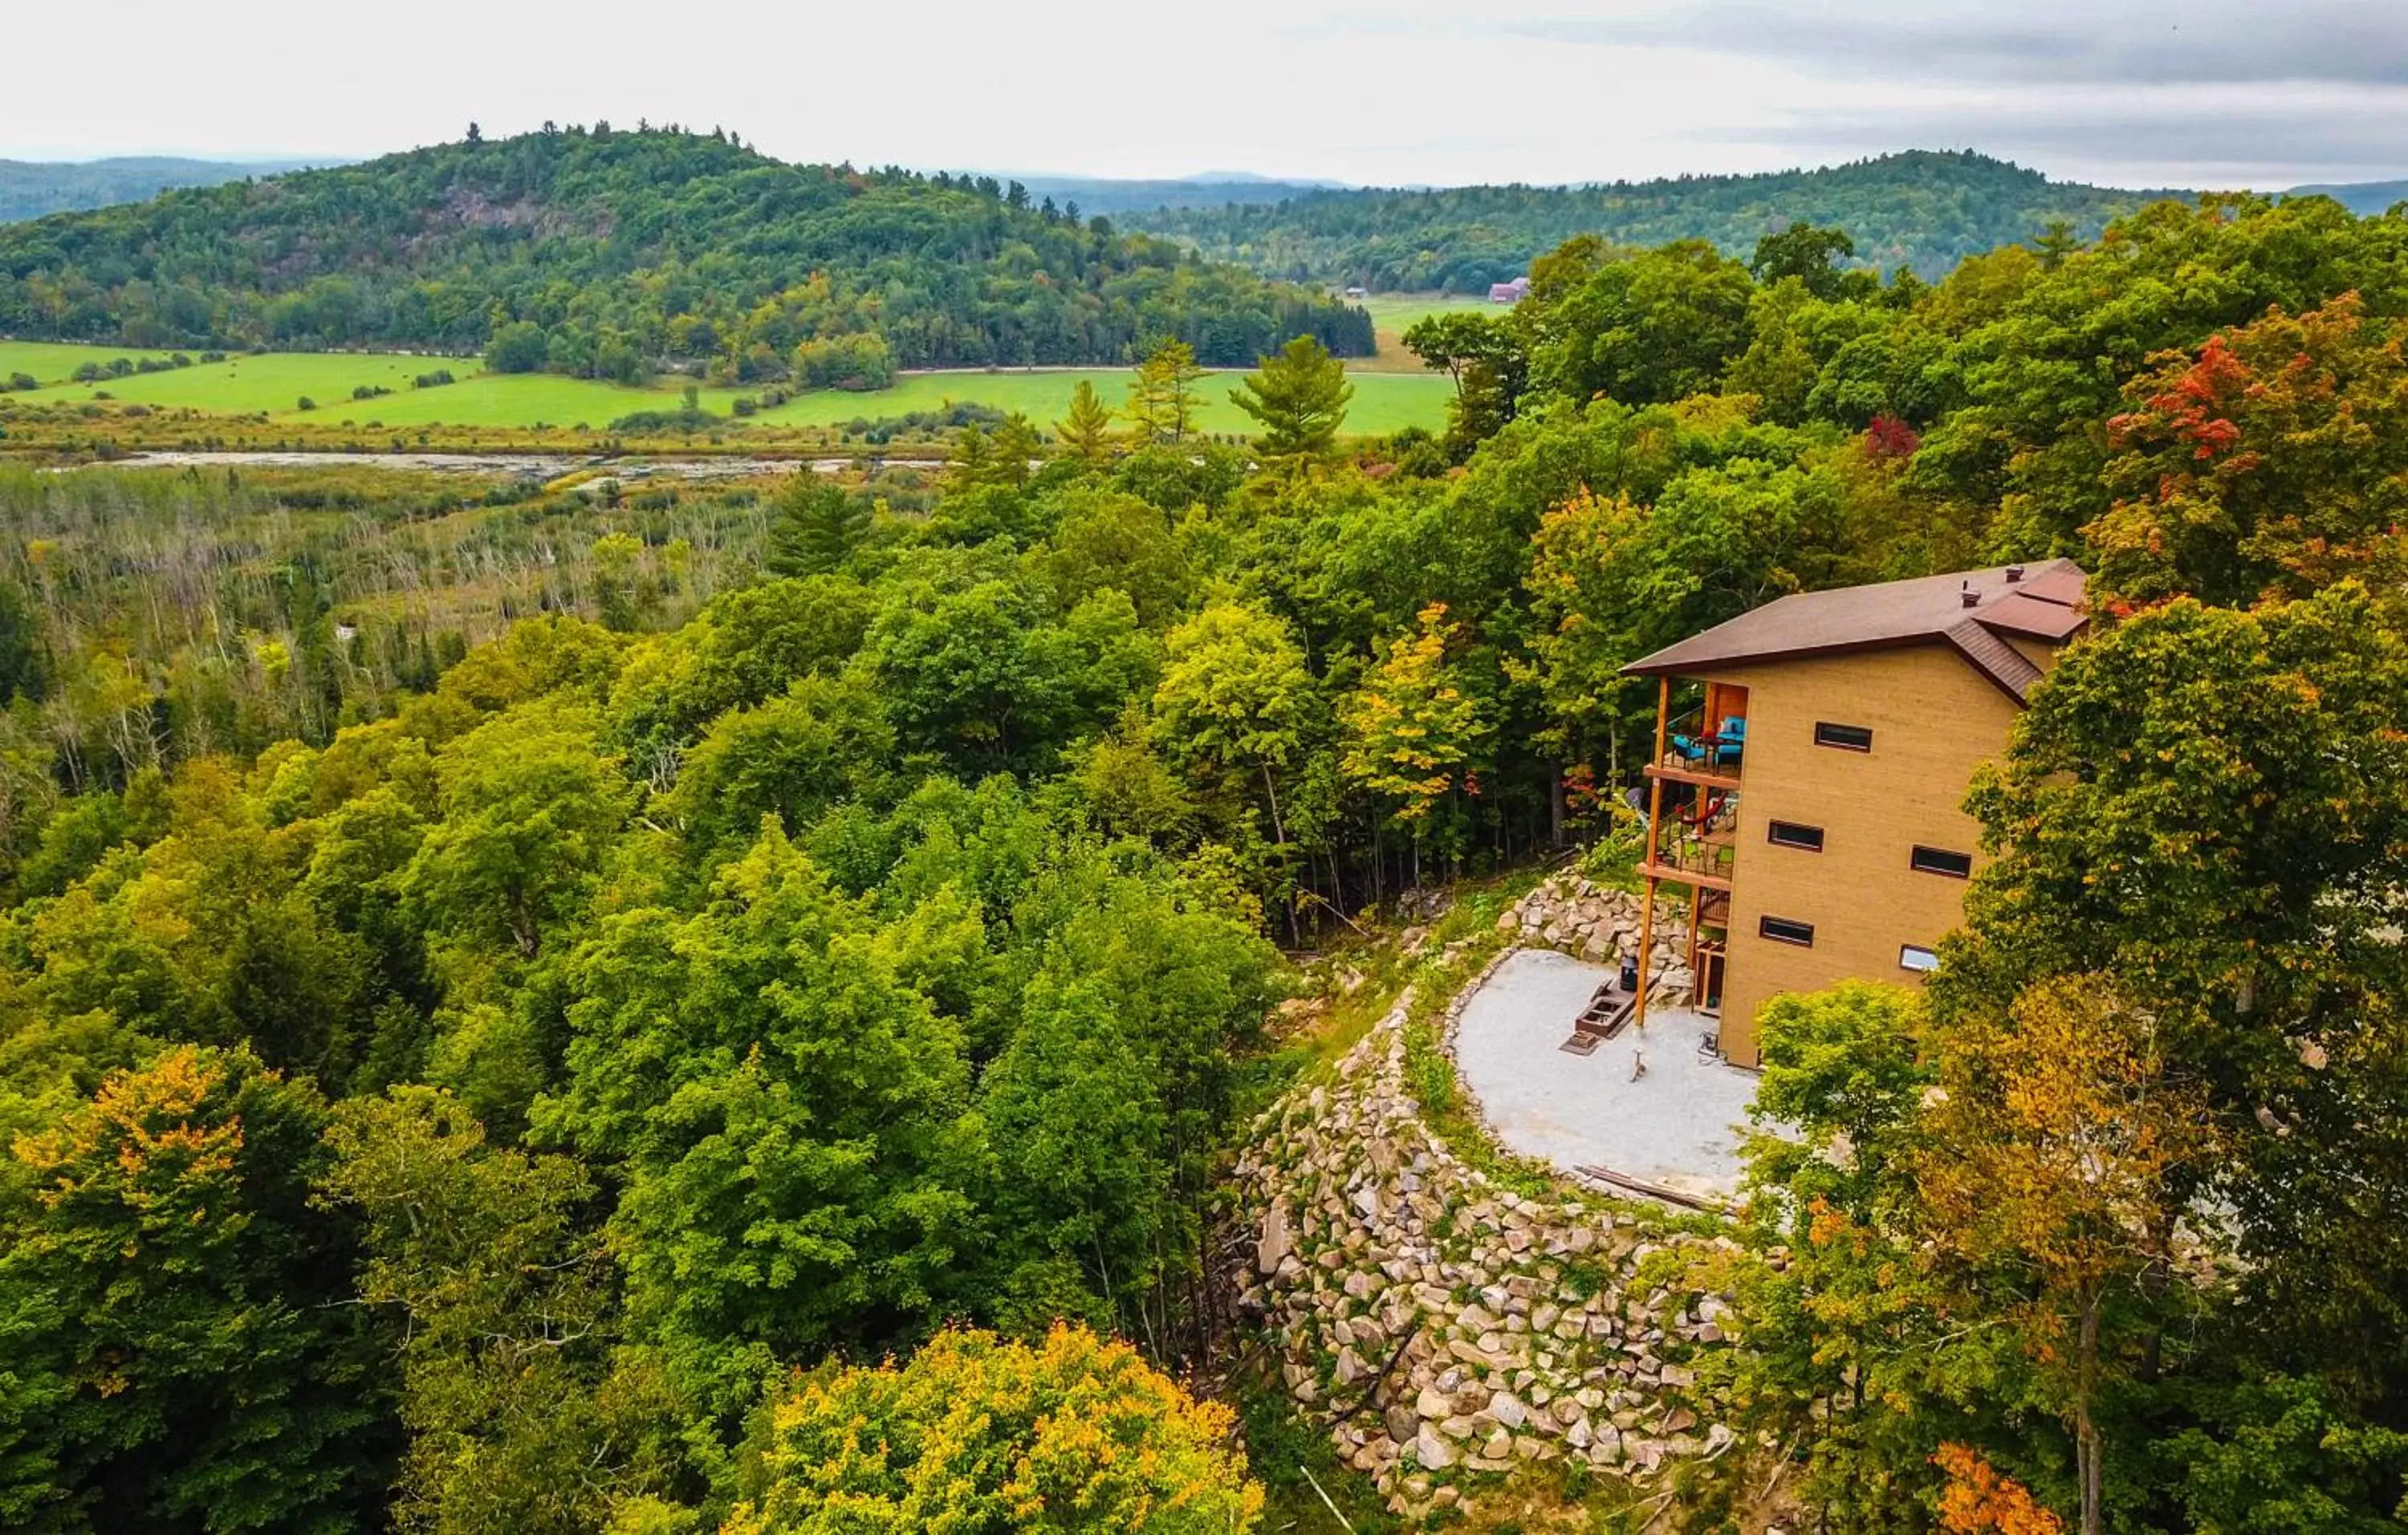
<point>1407,92</point>
<point>302,160</point>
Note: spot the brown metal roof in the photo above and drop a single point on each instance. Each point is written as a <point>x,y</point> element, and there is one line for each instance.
<point>2021,612</point>
<point>1967,611</point>
<point>1994,658</point>
<point>2059,582</point>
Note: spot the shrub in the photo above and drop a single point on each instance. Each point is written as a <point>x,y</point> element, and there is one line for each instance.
<point>690,418</point>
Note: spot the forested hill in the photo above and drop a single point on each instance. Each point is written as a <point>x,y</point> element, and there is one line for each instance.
<point>608,254</point>
<point>1922,210</point>
<point>29,189</point>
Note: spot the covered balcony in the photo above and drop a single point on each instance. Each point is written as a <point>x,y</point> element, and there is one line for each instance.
<point>1706,743</point>
<point>1692,795</point>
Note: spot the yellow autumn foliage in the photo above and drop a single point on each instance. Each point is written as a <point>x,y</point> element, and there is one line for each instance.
<point>978,1435</point>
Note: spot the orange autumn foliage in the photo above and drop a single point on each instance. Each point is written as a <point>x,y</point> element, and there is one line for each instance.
<point>1979,1500</point>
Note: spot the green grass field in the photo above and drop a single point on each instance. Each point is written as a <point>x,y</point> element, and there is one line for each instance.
<point>54,362</point>
<point>275,382</point>
<point>272,381</point>
<point>1392,313</point>
<point>1383,402</point>
<point>1402,310</point>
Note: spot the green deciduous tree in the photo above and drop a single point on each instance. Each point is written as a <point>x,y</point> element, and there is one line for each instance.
<point>1485,357</point>
<point>2210,806</point>
<point>1414,731</point>
<point>1654,326</point>
<point>791,757</point>
<point>1234,703</point>
<point>1167,998</point>
<point>529,811</point>
<point>505,1312</point>
<point>985,678</point>
<point>1839,1350</point>
<point>518,347</point>
<point>783,1110</point>
<point>1805,252</point>
<point>1111,541</point>
<point>171,1312</point>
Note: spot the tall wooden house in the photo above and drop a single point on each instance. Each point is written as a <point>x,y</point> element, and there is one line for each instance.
<point>1812,759</point>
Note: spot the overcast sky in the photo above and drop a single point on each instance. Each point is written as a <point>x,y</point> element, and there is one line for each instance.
<point>2200,93</point>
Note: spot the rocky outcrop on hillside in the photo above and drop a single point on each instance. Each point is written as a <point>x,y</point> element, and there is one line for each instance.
<point>1447,1328</point>
<point>1600,924</point>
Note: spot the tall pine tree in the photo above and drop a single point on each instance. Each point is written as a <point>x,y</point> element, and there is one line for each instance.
<point>816,526</point>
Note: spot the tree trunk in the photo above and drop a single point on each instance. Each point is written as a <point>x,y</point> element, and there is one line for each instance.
<point>2155,1280</point>
<point>1279,834</point>
<point>2089,1452</point>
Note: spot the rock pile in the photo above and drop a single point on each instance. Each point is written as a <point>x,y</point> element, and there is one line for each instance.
<point>1446,1327</point>
<point>1599,923</point>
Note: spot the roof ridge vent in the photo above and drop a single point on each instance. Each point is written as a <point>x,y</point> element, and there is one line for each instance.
<point>2015,574</point>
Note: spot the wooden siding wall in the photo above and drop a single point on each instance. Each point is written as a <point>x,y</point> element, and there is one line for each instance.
<point>1934,720</point>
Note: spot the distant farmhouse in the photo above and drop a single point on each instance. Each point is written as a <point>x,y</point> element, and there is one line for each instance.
<point>1509,292</point>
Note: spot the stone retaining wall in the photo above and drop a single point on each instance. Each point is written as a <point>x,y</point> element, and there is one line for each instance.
<point>1600,924</point>
<point>1448,1329</point>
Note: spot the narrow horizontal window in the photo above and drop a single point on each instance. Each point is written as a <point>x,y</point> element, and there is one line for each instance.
<point>1915,956</point>
<point>1783,930</point>
<point>1847,738</point>
<point>1789,834</point>
<point>1956,865</point>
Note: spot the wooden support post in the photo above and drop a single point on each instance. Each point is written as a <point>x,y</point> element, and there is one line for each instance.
<point>1697,899</point>
<point>1655,814</point>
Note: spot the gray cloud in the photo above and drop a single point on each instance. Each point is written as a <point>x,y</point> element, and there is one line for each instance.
<point>2203,41</point>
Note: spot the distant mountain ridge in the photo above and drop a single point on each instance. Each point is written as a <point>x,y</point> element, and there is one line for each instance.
<point>2363,198</point>
<point>31,188</point>
<point>1920,209</point>
<point>616,254</point>
<point>1111,196</point>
